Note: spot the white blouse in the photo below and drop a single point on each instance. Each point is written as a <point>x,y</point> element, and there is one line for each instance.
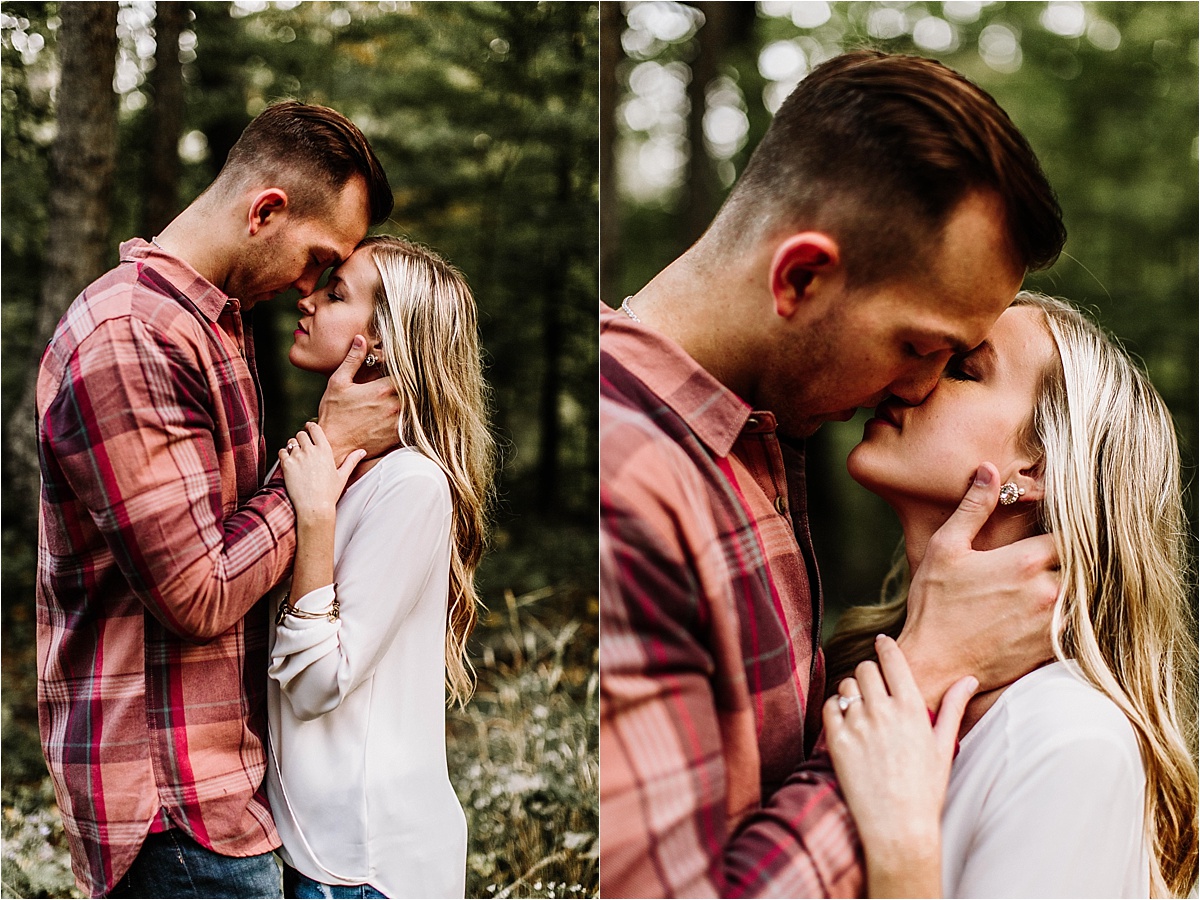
<point>357,775</point>
<point>1046,797</point>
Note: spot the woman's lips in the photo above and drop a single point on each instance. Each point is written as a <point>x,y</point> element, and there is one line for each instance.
<point>885,416</point>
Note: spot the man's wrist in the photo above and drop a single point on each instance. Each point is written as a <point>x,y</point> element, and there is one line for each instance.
<point>339,447</point>
<point>930,674</point>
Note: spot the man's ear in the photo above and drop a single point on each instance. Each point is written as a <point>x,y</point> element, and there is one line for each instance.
<point>267,203</point>
<point>800,261</point>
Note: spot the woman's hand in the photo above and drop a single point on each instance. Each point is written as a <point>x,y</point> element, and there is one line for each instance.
<point>314,482</point>
<point>893,768</point>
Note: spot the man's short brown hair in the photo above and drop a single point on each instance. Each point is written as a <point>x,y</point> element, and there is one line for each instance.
<point>879,150</point>
<point>311,152</point>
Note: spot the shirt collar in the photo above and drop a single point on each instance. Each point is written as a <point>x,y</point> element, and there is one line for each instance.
<point>715,414</point>
<point>207,297</point>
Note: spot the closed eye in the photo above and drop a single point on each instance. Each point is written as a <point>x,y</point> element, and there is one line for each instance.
<point>960,369</point>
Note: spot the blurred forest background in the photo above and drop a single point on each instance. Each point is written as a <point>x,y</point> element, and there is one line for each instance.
<point>116,115</point>
<point>1105,92</point>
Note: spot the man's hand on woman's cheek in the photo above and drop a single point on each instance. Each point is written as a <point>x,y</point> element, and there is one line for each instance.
<point>979,612</point>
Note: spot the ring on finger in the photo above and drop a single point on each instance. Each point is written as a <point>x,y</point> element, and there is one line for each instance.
<point>292,445</point>
<point>844,702</point>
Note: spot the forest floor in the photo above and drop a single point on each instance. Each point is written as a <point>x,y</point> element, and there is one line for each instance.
<point>523,756</point>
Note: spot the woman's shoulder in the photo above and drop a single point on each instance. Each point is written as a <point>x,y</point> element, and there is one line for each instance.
<point>406,472</point>
<point>1055,707</point>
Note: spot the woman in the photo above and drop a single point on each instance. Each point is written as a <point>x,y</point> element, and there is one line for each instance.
<point>373,631</point>
<point>1075,780</point>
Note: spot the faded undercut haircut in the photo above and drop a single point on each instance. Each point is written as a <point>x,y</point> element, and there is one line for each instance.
<point>878,150</point>
<point>309,151</point>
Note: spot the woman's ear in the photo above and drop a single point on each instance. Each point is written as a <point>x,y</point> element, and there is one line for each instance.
<point>1030,480</point>
<point>798,267</point>
<point>378,367</point>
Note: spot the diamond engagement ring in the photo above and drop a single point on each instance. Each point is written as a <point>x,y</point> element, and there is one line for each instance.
<point>844,703</point>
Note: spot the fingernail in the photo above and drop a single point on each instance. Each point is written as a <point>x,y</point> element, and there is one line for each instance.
<point>983,476</point>
<point>879,637</point>
<point>359,341</point>
<point>974,683</point>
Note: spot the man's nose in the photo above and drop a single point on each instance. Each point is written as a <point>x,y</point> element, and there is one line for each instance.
<point>917,384</point>
<point>307,283</point>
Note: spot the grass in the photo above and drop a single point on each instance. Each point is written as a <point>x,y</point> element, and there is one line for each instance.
<point>523,753</point>
<point>523,756</point>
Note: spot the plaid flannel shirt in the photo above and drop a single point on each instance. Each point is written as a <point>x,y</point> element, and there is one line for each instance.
<point>155,547</point>
<point>711,673</point>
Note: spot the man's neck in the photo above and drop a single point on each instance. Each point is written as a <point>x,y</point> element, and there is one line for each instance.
<point>708,315</point>
<point>194,237</point>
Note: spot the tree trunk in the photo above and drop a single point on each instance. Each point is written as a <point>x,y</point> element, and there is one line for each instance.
<point>555,298</point>
<point>83,160</point>
<point>611,23</point>
<point>703,186</point>
<point>160,190</point>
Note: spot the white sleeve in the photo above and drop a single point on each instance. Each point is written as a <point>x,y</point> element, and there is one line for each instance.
<point>399,542</point>
<point>1063,820</point>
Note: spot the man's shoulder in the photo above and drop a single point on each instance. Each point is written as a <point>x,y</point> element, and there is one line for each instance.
<point>121,295</point>
<point>120,316</point>
<point>639,433</point>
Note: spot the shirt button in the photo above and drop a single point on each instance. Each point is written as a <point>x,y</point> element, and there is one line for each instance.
<point>780,505</point>
<point>752,422</point>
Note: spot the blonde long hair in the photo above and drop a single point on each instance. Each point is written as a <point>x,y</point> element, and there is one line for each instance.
<point>425,320</point>
<point>1114,506</point>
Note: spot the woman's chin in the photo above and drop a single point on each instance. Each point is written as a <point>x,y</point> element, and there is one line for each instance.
<point>860,466</point>
<point>306,364</point>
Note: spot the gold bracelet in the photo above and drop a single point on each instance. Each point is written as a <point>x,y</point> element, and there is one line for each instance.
<point>286,609</point>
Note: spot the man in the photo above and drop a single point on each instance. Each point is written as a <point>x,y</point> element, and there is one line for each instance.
<point>882,225</point>
<point>158,537</point>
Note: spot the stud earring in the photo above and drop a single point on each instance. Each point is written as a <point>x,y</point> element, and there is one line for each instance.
<point>371,360</point>
<point>1010,493</point>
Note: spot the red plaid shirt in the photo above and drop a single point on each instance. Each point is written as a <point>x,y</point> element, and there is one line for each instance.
<point>710,672</point>
<point>155,547</point>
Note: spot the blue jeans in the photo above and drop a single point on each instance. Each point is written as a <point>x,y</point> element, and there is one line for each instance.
<point>171,864</point>
<point>297,884</point>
